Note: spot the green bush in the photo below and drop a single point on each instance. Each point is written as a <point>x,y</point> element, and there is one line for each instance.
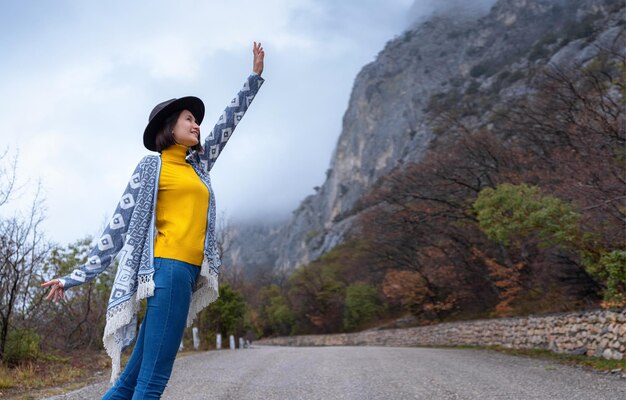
<point>510,213</point>
<point>22,345</point>
<point>611,267</point>
<point>227,312</point>
<point>361,305</point>
<point>278,316</point>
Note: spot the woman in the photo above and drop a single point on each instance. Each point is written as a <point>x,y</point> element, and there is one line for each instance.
<point>164,233</point>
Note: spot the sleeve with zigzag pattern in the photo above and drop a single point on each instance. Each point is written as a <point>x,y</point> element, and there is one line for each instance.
<point>227,122</point>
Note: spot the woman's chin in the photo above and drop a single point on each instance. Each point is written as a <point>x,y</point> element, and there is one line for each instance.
<point>191,143</point>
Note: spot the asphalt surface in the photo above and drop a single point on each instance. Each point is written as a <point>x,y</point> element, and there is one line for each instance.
<point>386,373</point>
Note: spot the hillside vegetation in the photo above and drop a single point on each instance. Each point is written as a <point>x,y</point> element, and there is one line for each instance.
<point>518,205</point>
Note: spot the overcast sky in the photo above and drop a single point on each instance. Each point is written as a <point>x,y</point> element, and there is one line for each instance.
<point>79,78</point>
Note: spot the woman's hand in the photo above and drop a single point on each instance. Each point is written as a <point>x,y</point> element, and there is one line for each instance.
<point>56,289</point>
<point>259,54</point>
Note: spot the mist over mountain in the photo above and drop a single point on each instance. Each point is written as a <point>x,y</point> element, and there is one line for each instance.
<point>422,10</point>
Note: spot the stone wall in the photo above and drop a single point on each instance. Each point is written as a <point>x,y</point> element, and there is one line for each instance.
<point>598,333</point>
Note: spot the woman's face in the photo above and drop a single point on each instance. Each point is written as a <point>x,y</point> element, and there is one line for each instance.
<point>186,131</point>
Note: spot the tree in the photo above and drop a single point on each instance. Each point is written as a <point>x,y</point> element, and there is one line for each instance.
<point>574,130</point>
<point>362,305</point>
<point>276,313</point>
<point>408,289</point>
<point>226,314</point>
<point>84,308</point>
<point>511,214</point>
<point>317,297</point>
<point>417,219</point>
<point>566,135</point>
<point>511,211</point>
<point>22,251</point>
<point>611,267</point>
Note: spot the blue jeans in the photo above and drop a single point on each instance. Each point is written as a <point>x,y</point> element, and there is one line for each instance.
<point>150,366</point>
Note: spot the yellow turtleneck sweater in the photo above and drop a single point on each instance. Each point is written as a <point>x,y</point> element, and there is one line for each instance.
<point>181,209</point>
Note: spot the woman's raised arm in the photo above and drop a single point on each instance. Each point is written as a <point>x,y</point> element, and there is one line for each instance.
<point>227,122</point>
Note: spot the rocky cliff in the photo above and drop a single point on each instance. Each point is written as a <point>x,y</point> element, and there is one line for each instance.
<point>449,58</point>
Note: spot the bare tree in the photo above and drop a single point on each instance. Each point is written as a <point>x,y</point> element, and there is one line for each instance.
<point>22,252</point>
<point>232,273</point>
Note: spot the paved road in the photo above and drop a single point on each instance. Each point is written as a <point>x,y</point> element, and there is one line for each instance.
<point>386,373</point>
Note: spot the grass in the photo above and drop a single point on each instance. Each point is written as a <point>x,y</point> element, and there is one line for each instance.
<point>51,374</point>
<point>595,363</point>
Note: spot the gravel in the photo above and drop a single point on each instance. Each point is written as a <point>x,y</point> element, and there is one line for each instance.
<point>389,373</point>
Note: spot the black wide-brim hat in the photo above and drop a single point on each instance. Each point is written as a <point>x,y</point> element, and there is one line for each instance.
<point>163,110</point>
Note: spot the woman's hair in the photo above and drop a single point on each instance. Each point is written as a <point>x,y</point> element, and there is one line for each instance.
<point>165,136</point>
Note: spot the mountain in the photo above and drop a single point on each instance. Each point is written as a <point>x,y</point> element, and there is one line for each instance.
<point>482,60</point>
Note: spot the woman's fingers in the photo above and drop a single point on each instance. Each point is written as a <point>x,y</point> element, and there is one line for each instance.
<point>58,293</point>
<point>259,54</point>
<point>257,48</point>
<point>56,290</point>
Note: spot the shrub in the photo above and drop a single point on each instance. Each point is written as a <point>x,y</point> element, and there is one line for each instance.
<point>611,267</point>
<point>22,345</point>
<point>510,213</point>
<point>361,305</point>
<point>277,313</point>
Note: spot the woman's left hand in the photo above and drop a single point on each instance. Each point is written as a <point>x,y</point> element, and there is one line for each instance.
<point>56,289</point>
<point>259,54</point>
